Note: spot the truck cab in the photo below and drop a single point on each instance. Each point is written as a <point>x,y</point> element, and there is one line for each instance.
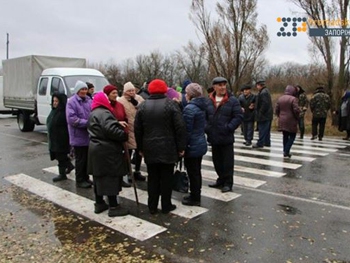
<point>62,80</point>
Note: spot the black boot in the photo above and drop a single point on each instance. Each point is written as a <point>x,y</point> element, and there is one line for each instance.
<point>62,175</point>
<point>191,201</point>
<point>70,167</point>
<point>99,208</point>
<point>139,177</point>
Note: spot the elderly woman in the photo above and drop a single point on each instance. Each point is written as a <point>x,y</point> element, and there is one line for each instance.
<point>106,159</point>
<point>287,111</point>
<point>58,136</point>
<point>344,114</point>
<point>194,116</point>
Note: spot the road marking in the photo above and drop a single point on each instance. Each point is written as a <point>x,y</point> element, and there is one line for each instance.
<point>238,168</point>
<point>238,179</point>
<point>249,170</point>
<point>253,183</point>
<point>181,210</point>
<point>129,225</point>
<point>298,147</point>
<point>312,143</point>
<point>263,161</point>
<point>302,199</point>
<point>270,154</point>
<point>280,149</point>
<point>329,142</point>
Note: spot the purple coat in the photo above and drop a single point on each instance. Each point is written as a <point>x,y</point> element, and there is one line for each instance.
<point>77,113</point>
<point>287,111</point>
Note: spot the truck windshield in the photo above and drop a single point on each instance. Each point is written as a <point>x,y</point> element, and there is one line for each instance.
<point>98,82</point>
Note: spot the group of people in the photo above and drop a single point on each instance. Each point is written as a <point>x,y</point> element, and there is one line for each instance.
<point>163,127</point>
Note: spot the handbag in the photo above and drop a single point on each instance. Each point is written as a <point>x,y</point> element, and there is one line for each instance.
<point>180,179</point>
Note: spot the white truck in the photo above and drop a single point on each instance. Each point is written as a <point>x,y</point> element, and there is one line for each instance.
<point>30,81</point>
<point>3,110</point>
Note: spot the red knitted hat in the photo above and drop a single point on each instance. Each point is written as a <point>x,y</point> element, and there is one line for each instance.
<point>157,86</point>
<point>109,88</point>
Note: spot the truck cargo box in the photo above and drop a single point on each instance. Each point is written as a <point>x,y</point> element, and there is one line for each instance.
<point>21,76</point>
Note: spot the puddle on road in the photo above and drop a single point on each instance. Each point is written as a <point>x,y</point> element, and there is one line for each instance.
<point>289,209</point>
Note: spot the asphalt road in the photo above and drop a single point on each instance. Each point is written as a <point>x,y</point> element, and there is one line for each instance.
<point>280,210</point>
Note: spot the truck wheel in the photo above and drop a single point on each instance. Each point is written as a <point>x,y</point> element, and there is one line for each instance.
<point>24,122</point>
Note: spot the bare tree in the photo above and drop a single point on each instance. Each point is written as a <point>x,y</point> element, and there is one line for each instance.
<point>322,11</point>
<point>192,64</point>
<point>233,43</point>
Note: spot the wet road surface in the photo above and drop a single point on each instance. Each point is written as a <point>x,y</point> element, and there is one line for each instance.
<point>280,210</point>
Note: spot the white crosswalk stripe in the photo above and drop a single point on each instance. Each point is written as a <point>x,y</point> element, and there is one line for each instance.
<point>271,154</point>
<point>264,161</point>
<point>129,225</point>
<point>326,142</point>
<point>296,146</point>
<point>243,169</point>
<point>267,163</point>
<point>206,191</point>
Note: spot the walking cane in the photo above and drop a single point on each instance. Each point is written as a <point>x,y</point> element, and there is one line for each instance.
<point>130,171</point>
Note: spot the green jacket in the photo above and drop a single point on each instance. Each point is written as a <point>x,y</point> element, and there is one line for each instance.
<point>320,103</point>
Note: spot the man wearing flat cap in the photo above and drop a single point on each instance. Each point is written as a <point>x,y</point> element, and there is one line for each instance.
<point>224,117</point>
<point>263,114</point>
<point>247,101</point>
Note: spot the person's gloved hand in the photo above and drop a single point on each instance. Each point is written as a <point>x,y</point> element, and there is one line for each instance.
<point>134,101</point>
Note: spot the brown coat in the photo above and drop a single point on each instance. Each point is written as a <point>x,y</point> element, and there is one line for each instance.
<point>130,111</point>
<point>287,111</point>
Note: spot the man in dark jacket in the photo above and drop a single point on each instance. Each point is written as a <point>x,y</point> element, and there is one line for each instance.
<point>320,104</point>
<point>247,101</point>
<point>224,117</point>
<point>160,134</point>
<point>264,115</point>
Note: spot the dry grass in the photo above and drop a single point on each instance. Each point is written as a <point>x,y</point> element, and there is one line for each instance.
<point>329,130</point>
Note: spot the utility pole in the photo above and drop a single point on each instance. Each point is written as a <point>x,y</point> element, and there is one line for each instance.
<point>7,46</point>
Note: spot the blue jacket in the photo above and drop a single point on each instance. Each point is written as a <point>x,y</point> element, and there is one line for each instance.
<point>223,119</point>
<point>194,115</point>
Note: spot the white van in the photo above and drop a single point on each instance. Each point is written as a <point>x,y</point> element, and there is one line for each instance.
<point>63,80</point>
<point>30,81</point>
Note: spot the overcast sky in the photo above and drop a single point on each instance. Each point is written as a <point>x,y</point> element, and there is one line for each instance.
<point>114,30</point>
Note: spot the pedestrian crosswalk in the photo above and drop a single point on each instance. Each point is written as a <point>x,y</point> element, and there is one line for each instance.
<point>253,168</point>
<point>135,227</point>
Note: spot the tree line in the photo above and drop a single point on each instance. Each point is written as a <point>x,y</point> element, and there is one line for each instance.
<point>232,45</point>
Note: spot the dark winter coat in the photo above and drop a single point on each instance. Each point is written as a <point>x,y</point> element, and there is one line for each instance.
<point>263,106</point>
<point>57,129</point>
<point>344,122</point>
<point>160,130</point>
<point>194,115</point>
<point>287,111</point>
<point>245,102</point>
<point>106,158</point>
<point>223,120</point>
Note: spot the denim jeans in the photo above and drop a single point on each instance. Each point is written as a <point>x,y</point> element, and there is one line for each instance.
<point>288,140</point>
